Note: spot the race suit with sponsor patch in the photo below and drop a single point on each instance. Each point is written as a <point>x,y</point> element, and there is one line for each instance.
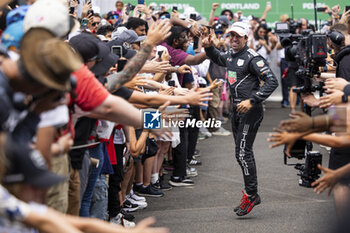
<point>245,72</point>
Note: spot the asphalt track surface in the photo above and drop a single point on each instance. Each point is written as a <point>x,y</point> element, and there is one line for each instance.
<point>207,207</point>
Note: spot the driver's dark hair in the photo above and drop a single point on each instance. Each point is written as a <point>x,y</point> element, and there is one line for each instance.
<point>175,34</point>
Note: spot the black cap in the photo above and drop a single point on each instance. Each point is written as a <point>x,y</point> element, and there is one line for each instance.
<point>28,166</point>
<point>218,27</point>
<point>90,47</point>
<point>86,45</point>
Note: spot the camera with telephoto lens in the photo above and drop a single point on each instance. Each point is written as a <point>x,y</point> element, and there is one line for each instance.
<point>308,52</point>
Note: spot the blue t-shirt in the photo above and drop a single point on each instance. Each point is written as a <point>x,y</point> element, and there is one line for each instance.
<point>190,50</point>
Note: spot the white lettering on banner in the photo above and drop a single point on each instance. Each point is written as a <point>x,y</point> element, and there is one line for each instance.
<point>241,6</point>
<point>310,5</point>
<point>180,6</point>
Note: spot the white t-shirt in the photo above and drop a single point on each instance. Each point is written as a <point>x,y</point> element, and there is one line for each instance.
<point>7,226</point>
<point>12,212</point>
<point>203,68</point>
<point>119,137</point>
<point>260,49</point>
<point>104,129</point>
<point>281,53</point>
<point>56,117</point>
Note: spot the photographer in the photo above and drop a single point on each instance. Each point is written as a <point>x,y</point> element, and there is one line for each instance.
<point>295,81</point>
<point>338,40</point>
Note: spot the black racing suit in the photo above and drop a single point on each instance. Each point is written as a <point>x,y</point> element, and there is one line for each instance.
<point>245,70</point>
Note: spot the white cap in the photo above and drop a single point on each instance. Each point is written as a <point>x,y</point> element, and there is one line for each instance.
<point>188,11</point>
<point>52,15</point>
<point>153,4</point>
<point>240,28</point>
<point>96,9</point>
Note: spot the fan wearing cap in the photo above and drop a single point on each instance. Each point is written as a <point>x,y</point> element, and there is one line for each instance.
<point>245,69</point>
<point>43,72</point>
<point>52,15</point>
<point>96,54</point>
<point>13,33</point>
<point>27,177</point>
<point>28,168</point>
<point>125,40</point>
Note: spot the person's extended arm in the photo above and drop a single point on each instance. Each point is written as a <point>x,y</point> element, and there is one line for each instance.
<point>159,77</point>
<point>156,67</point>
<point>193,98</point>
<point>93,225</point>
<point>136,146</point>
<point>16,210</point>
<point>267,9</point>
<point>330,178</point>
<point>216,56</point>
<point>156,34</point>
<point>50,222</point>
<point>116,109</point>
<point>214,6</point>
<point>98,226</point>
<point>195,60</point>
<point>154,85</point>
<point>329,140</point>
<point>302,122</point>
<point>282,137</point>
<point>195,30</point>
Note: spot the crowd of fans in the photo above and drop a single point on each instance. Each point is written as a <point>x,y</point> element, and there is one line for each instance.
<point>72,90</point>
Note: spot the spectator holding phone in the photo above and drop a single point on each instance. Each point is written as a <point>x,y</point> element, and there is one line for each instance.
<point>260,42</point>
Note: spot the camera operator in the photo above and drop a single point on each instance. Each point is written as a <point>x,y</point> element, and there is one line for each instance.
<point>338,40</point>
<point>295,81</point>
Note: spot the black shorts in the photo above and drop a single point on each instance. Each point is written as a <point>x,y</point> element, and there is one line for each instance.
<point>340,157</point>
<point>293,80</point>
